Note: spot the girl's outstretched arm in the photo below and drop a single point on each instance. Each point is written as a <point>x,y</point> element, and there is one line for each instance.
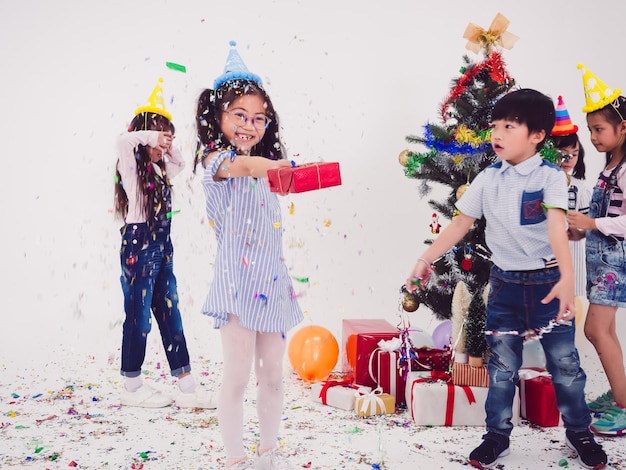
<point>247,165</point>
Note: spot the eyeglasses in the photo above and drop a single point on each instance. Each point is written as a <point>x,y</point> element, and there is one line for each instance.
<point>258,122</point>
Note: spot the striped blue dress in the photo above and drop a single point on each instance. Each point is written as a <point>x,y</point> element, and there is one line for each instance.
<point>250,278</point>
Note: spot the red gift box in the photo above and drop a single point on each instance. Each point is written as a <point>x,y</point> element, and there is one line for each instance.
<point>385,371</point>
<point>360,339</point>
<point>422,359</point>
<point>301,178</point>
<point>537,397</point>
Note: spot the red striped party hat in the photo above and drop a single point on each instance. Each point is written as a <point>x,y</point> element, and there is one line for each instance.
<point>563,124</point>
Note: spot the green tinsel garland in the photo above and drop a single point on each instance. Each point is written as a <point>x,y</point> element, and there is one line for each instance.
<point>550,152</point>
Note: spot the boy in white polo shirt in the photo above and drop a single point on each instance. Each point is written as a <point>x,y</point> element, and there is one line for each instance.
<point>524,201</point>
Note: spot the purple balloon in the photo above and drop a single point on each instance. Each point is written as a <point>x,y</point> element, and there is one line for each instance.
<point>442,335</point>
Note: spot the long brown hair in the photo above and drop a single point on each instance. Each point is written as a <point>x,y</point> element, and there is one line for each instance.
<point>149,184</point>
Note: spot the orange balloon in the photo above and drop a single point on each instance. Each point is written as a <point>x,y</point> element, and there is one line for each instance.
<point>313,352</point>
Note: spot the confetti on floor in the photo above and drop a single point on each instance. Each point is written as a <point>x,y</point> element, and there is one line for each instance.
<point>64,413</point>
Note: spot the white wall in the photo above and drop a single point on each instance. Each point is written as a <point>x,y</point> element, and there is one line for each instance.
<point>349,80</point>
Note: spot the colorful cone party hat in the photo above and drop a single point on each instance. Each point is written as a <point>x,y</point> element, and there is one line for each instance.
<point>597,93</point>
<point>155,103</point>
<point>235,69</point>
<point>563,124</point>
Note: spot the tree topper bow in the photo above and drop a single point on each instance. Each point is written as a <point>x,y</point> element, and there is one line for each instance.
<point>497,34</point>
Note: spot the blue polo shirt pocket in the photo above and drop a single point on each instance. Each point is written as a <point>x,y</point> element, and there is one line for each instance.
<point>532,208</point>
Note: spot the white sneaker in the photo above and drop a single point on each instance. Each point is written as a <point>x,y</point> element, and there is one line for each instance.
<point>198,399</point>
<point>272,460</point>
<point>145,397</point>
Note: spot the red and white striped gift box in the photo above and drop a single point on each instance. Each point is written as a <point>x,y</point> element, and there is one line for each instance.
<point>464,374</point>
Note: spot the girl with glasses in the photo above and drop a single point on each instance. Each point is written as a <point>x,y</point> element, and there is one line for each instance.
<point>251,297</point>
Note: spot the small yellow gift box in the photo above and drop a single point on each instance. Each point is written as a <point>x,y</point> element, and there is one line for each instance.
<point>375,403</point>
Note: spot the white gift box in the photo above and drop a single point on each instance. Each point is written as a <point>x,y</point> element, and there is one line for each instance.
<point>337,394</point>
<point>440,403</point>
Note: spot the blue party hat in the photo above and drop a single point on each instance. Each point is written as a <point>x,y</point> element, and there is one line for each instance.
<point>235,69</point>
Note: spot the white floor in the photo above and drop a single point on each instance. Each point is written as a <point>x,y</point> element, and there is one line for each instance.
<point>59,410</point>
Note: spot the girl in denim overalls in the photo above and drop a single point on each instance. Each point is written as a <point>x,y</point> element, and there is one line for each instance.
<point>146,160</point>
<point>606,251</point>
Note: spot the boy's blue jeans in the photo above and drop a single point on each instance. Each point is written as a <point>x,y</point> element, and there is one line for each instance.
<point>149,287</point>
<point>515,305</point>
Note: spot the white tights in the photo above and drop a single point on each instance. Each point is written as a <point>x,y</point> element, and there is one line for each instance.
<point>240,346</point>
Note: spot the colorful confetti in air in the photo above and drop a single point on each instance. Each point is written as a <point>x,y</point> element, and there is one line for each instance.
<point>177,67</point>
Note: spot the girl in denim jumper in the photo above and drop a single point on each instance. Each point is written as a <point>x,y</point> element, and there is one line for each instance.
<point>606,264</point>
<point>146,160</point>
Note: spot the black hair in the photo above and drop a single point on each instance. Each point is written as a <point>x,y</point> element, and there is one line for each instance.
<point>614,117</point>
<point>571,140</point>
<point>529,107</point>
<point>210,107</point>
<point>149,184</point>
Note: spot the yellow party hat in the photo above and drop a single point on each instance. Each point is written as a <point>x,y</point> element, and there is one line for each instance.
<point>597,93</point>
<point>155,103</point>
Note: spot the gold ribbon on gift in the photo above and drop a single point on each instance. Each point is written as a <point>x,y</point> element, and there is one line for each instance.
<point>478,38</point>
<point>372,400</point>
<point>280,180</point>
<point>290,171</point>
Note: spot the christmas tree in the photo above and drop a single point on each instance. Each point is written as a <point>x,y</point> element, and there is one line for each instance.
<point>458,148</point>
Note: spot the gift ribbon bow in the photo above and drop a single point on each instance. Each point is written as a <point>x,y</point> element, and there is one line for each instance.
<point>436,376</point>
<point>394,344</point>
<point>372,400</point>
<point>496,34</point>
<point>529,374</point>
<point>333,383</point>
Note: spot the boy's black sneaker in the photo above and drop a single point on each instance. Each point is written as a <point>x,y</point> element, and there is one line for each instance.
<point>485,455</point>
<point>590,453</point>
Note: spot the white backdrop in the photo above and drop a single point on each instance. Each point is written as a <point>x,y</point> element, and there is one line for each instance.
<point>349,80</point>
